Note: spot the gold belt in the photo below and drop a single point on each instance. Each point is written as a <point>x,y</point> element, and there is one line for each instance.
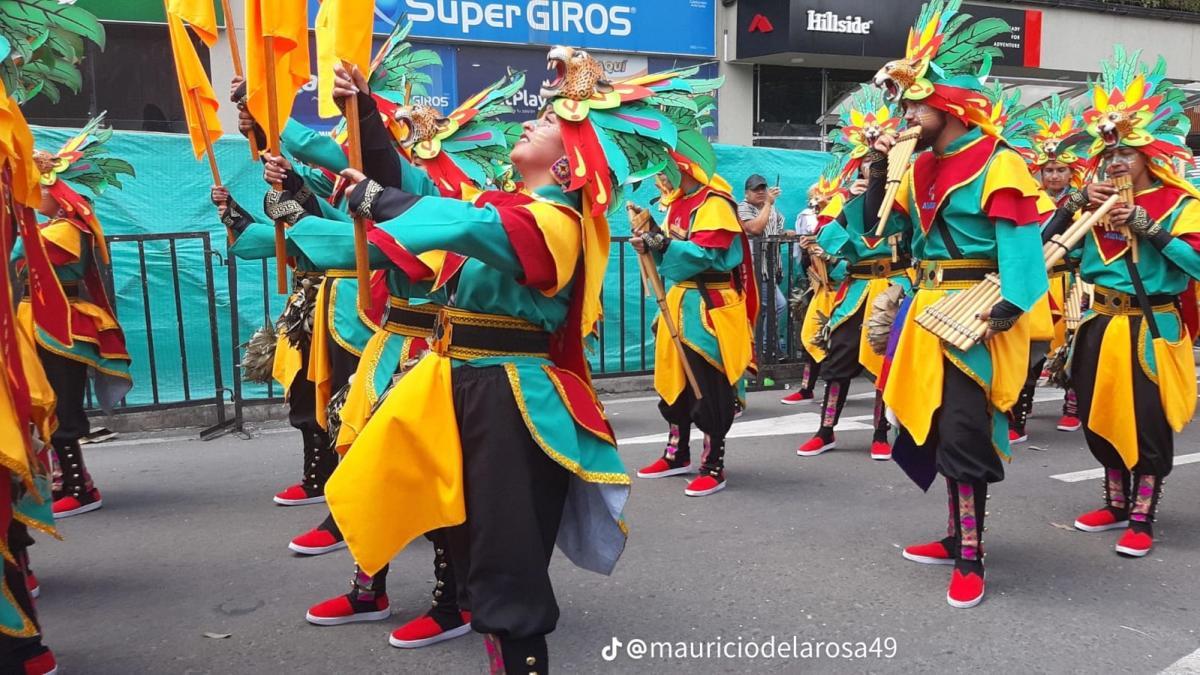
<point>341,274</point>
<point>953,274</point>
<point>460,334</point>
<point>879,269</point>
<point>712,286</point>
<point>1115,303</point>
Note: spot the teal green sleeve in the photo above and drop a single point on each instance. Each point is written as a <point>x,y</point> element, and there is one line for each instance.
<point>18,250</point>
<point>417,182</point>
<point>311,147</point>
<point>833,238</point>
<point>315,179</point>
<point>440,223</point>
<point>331,212</point>
<point>1022,268</point>
<point>1183,256</point>
<point>329,244</point>
<point>685,259</point>
<point>256,242</point>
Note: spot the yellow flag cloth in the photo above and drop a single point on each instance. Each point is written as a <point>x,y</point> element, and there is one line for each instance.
<point>197,93</point>
<point>201,15</point>
<point>286,22</point>
<point>1176,364</point>
<point>343,30</point>
<point>16,150</point>
<point>287,363</point>
<point>403,475</point>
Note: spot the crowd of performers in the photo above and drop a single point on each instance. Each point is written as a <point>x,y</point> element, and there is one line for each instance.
<point>456,404</point>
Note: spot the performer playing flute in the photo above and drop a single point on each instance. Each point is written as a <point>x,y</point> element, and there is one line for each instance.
<point>1132,365</point>
<point>973,209</point>
<point>873,266</point>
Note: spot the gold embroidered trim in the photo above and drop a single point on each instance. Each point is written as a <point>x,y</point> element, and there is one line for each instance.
<point>567,402</point>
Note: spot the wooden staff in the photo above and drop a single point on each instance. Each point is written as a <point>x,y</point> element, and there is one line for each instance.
<point>638,220</point>
<point>236,55</point>
<point>362,262</point>
<point>273,142</point>
<point>208,148</point>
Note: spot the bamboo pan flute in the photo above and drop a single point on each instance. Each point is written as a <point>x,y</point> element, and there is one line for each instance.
<point>954,318</point>
<point>1073,312</point>
<point>898,158</point>
<point>1124,186</point>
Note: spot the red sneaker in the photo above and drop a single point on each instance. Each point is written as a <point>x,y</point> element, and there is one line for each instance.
<point>1135,544</point>
<point>31,583</point>
<point>342,609</point>
<point>1069,423</point>
<point>965,590</point>
<point>296,495</point>
<point>424,631</point>
<point>68,506</point>
<point>1017,437</point>
<point>661,468</point>
<point>881,451</point>
<point>42,664</point>
<point>705,485</point>
<point>316,542</point>
<point>815,446</point>
<point>933,553</point>
<point>796,397</point>
<point>1100,520</point>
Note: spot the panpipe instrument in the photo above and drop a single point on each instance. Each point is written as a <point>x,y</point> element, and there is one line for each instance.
<point>955,318</point>
<point>818,272</point>
<point>898,158</point>
<point>1124,186</point>
<point>1073,312</point>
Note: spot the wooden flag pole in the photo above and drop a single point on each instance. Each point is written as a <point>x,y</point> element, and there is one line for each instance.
<point>236,55</point>
<point>362,261</point>
<point>208,148</point>
<point>273,141</point>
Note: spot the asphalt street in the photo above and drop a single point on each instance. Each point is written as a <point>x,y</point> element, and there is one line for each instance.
<point>185,569</point>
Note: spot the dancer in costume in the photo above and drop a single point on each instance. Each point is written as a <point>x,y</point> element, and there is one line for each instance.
<point>826,198</point>
<point>972,207</point>
<point>1132,364</point>
<point>873,265</point>
<point>1044,135</point>
<point>506,371</point>
<point>713,300</point>
<point>85,339</point>
<point>466,149</point>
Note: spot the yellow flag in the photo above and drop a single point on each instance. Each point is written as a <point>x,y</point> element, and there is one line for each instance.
<point>343,30</point>
<point>197,93</point>
<point>200,15</point>
<point>286,23</point>
<point>16,149</point>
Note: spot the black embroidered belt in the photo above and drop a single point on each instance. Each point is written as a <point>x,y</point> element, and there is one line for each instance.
<point>710,278</point>
<point>1115,303</point>
<point>70,289</point>
<point>470,335</point>
<point>416,321</point>
<point>879,268</point>
<point>951,274</point>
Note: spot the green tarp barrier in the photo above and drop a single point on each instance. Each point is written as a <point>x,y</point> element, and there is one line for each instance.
<point>171,195</point>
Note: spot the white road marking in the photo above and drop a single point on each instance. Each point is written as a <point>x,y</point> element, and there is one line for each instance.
<point>1188,665</point>
<point>1076,476</point>
<point>787,425</point>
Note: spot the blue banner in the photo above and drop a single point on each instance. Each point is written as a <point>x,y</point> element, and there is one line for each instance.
<point>631,26</point>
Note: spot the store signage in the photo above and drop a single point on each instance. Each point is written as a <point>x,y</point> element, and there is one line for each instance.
<point>629,26</point>
<point>829,22</point>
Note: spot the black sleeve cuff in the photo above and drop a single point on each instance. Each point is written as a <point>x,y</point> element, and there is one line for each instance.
<point>372,201</point>
<point>236,218</point>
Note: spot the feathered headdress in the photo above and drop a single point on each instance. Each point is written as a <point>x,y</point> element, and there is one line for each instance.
<point>1049,132</point>
<point>618,133</point>
<point>1137,107</point>
<point>470,145</point>
<point>830,180</point>
<point>945,63</point>
<point>83,160</point>
<point>863,118</point>
<point>41,44</point>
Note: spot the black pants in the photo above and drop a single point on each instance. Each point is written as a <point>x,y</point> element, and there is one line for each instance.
<point>514,496</point>
<point>68,379</point>
<point>1155,438</point>
<point>961,434</point>
<point>302,398</point>
<point>841,358</point>
<point>713,412</point>
<point>15,651</point>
